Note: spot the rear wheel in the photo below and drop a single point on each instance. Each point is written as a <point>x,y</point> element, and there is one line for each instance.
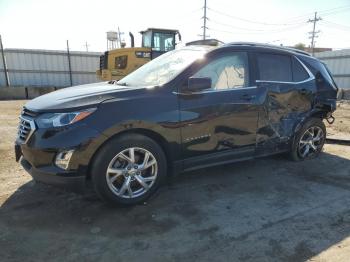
<point>309,141</point>
<point>128,169</point>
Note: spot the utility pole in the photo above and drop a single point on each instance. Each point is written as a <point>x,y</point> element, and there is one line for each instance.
<point>314,33</point>
<point>119,38</point>
<point>87,46</point>
<point>69,65</point>
<point>205,18</point>
<point>4,63</point>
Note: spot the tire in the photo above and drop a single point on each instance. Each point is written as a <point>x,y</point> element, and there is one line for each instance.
<point>120,167</point>
<point>309,140</point>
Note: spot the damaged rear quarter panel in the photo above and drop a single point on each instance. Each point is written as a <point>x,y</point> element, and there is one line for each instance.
<point>285,106</point>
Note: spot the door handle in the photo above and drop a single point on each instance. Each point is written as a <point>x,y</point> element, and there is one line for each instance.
<point>303,91</point>
<point>248,97</point>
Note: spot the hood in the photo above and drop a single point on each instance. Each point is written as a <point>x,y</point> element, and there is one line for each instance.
<point>76,97</point>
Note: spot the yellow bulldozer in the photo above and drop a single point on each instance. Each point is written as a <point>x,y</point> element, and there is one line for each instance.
<point>117,63</point>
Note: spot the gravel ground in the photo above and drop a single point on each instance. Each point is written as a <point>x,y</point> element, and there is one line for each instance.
<point>270,209</point>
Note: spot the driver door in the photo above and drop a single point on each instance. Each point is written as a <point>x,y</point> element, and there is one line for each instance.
<point>220,123</point>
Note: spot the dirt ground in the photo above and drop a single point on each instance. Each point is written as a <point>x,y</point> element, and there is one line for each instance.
<point>270,209</point>
<point>341,127</point>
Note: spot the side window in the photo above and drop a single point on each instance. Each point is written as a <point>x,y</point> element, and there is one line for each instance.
<point>230,71</point>
<point>147,39</point>
<point>273,67</point>
<point>299,73</point>
<point>121,62</point>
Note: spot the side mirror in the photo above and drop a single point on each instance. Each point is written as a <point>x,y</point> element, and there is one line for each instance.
<point>196,84</point>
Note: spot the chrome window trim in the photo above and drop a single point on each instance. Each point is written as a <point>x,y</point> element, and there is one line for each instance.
<point>214,90</point>
<point>225,90</point>
<point>311,76</point>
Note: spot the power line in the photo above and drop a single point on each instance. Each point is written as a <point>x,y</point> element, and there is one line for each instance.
<point>335,10</point>
<point>335,25</point>
<point>248,20</point>
<point>336,28</point>
<point>290,21</point>
<point>255,33</point>
<point>289,24</point>
<point>314,34</point>
<point>257,30</point>
<point>187,14</point>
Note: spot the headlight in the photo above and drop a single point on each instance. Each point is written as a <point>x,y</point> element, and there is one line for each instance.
<point>62,119</point>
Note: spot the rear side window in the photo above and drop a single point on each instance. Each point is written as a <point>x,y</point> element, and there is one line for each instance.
<point>273,67</point>
<point>299,72</point>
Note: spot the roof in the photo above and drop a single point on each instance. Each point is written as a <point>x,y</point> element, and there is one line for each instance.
<point>274,47</point>
<point>160,29</point>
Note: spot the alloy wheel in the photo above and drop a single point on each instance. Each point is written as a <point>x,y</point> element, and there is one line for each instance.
<point>132,172</point>
<point>311,142</point>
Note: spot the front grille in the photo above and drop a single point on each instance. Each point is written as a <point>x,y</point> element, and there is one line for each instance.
<point>26,125</point>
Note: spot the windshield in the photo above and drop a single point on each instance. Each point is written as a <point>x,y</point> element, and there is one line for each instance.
<point>164,68</point>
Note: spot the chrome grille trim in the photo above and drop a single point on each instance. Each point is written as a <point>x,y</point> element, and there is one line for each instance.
<point>28,113</point>
<point>25,129</point>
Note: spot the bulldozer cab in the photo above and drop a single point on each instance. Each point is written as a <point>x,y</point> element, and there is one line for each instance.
<point>159,40</point>
<point>117,63</point>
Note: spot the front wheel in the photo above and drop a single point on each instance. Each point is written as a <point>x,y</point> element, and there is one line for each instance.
<point>309,141</point>
<point>128,169</point>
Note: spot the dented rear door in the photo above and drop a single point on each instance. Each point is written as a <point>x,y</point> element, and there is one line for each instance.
<point>289,92</point>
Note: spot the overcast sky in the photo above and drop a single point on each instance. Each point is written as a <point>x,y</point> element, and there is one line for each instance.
<point>47,24</point>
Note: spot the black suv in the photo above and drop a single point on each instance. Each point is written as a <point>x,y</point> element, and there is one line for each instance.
<point>193,107</point>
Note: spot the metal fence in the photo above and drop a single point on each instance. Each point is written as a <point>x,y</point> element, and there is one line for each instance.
<point>339,64</point>
<point>31,67</point>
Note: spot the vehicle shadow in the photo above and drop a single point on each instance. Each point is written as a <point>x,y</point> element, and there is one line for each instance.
<point>269,209</point>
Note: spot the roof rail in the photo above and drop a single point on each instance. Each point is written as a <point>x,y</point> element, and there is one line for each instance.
<point>269,46</point>
<point>210,42</point>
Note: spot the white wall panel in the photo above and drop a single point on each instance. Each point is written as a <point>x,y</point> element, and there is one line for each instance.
<point>338,63</point>
<point>28,67</point>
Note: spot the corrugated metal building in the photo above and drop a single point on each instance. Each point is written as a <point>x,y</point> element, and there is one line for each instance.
<point>339,64</point>
<point>30,67</point>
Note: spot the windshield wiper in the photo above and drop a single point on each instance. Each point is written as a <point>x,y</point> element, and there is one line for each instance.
<point>122,83</point>
<point>115,82</point>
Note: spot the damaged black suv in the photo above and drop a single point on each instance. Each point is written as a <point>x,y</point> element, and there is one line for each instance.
<point>193,107</point>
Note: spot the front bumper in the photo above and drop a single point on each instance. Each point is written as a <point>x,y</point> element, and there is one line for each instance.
<point>37,155</point>
<point>54,176</point>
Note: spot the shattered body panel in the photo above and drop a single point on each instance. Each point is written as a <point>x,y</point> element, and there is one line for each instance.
<point>287,105</point>
<point>283,107</point>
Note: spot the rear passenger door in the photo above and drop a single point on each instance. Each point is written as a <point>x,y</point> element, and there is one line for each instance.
<point>289,92</point>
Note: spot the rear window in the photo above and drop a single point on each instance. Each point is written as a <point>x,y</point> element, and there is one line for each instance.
<point>299,72</point>
<point>275,67</point>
